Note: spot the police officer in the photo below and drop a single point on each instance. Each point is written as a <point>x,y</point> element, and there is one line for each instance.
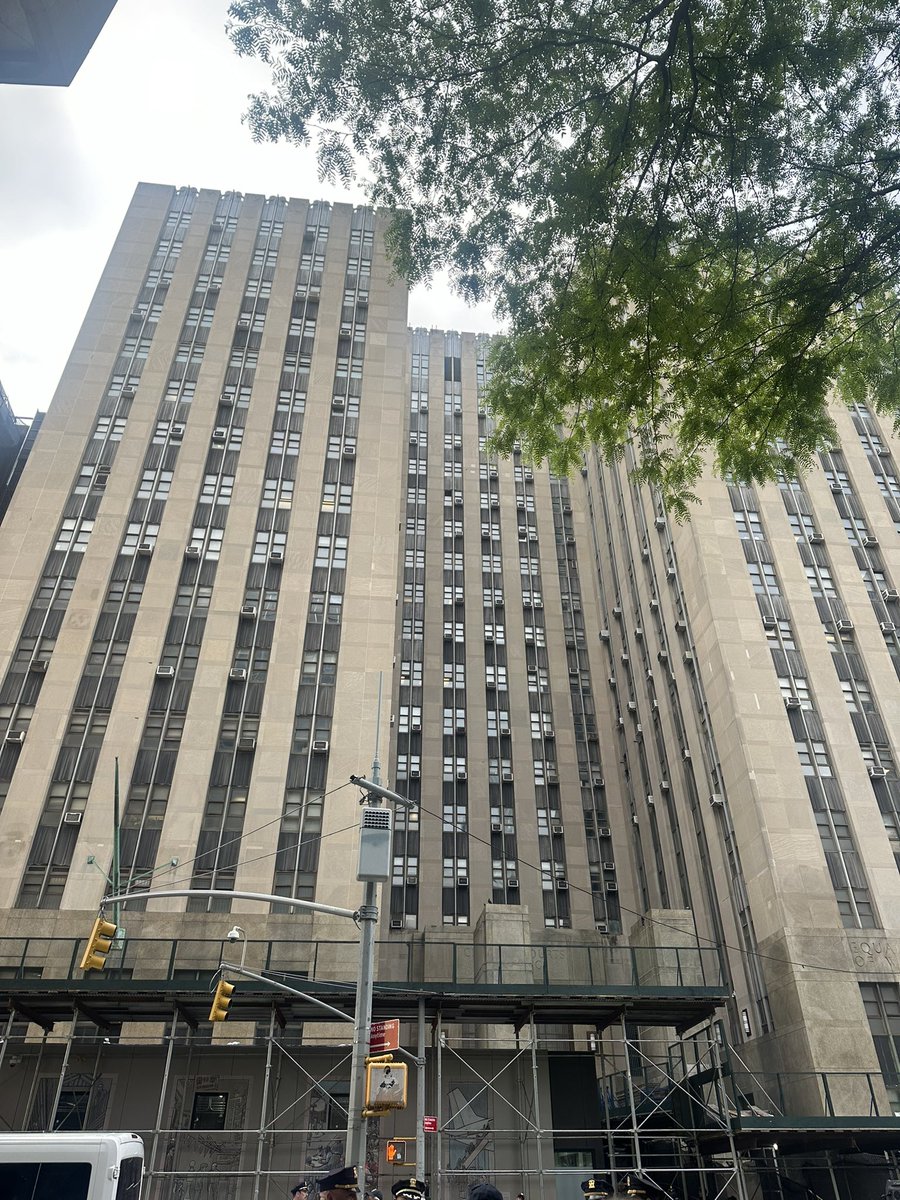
<point>300,1191</point>
<point>638,1185</point>
<point>596,1186</point>
<point>340,1185</point>
<point>410,1189</point>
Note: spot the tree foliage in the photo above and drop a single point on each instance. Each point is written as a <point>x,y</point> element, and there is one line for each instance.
<point>686,209</point>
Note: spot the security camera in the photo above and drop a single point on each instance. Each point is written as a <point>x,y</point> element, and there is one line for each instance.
<point>235,934</point>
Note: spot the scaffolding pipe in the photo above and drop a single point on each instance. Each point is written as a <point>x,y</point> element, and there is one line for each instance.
<point>420,1091</point>
<point>51,1116</point>
<point>9,1024</point>
<point>630,1087</point>
<point>438,1165</point>
<point>265,1103</point>
<point>161,1107</point>
<point>34,1079</point>
<point>539,1128</point>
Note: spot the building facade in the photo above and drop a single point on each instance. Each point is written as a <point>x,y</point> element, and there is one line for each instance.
<point>654,765</point>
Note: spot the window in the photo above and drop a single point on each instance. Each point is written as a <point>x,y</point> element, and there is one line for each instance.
<point>209,1110</point>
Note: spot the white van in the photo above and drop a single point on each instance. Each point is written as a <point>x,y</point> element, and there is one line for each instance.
<point>71,1166</point>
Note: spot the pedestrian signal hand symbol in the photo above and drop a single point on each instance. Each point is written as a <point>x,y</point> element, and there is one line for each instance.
<point>395,1152</point>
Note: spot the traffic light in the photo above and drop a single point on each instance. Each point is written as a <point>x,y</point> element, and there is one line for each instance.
<point>395,1152</point>
<point>99,945</point>
<point>221,1000</point>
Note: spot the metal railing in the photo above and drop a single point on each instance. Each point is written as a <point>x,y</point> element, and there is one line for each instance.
<point>415,961</point>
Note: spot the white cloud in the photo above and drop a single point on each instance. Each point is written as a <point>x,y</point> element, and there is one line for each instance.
<point>159,98</point>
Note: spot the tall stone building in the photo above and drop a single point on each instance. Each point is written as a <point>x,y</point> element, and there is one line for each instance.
<point>657,800</point>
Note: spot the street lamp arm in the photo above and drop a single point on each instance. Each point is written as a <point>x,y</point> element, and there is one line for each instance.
<point>263,897</point>
<point>283,987</point>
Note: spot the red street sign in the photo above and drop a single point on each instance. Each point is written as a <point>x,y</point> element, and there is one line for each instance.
<point>429,1124</point>
<point>385,1035</point>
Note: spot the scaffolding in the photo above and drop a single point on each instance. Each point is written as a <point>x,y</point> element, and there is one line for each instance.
<point>533,1085</point>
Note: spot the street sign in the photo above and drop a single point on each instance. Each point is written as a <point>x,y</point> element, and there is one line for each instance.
<point>429,1124</point>
<point>385,1035</point>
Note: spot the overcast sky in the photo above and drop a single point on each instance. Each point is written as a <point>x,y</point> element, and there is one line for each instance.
<point>159,98</point>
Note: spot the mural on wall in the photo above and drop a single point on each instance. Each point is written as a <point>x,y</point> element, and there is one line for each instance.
<point>83,1101</point>
<point>202,1156</point>
<point>327,1123</point>
<point>469,1128</point>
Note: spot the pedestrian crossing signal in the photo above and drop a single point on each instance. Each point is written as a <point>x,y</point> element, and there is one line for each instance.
<point>395,1152</point>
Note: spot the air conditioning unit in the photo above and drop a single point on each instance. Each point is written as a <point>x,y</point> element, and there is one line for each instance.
<point>496,827</point>
<point>890,595</point>
<point>598,781</point>
<point>127,393</point>
<point>337,404</point>
<point>462,881</point>
<point>601,926</point>
<point>549,735</point>
<point>769,622</point>
<point>512,884</point>
<point>604,831</point>
<point>621,722</point>
<point>72,818</point>
<point>871,540</point>
<point>227,400</point>
<point>495,501</point>
<point>498,602</point>
<point>570,540</point>
<point>458,499</point>
<point>611,886</point>
<point>686,755</point>
<point>663,656</point>
<point>664,785</point>
<point>246,743</point>
<point>416,726</point>
<point>557,829</point>
<point>717,800</point>
<point>507,776</point>
<point>816,539</point>
<point>836,488</point>
<point>632,706</point>
<point>654,604</point>
<point>608,866</point>
<point>791,702</point>
<point>243,323</point>
<point>145,549</point>
<point>176,432</point>
<point>494,473</point>
<point>660,522</point>
<point>887,626</point>
<point>688,656</point>
<point>412,879</point>
<point>220,433</point>
<point>567,508</point>
<point>844,626</point>
<point>461,776</point>
<point>520,504</point>
<point>584,472</point>
<point>38,666</point>
<point>276,556</point>
<point>396,924</point>
<point>617,612</point>
<point>349,452</point>
<point>137,315</point>
<point>16,737</point>
<point>423,408</point>
<point>884,451</point>
<point>320,746</point>
<point>414,774</point>
<point>248,610</point>
<point>193,550</point>
<point>238,674</point>
<point>562,885</point>
<point>103,470</point>
<point>878,772</point>
<point>165,672</point>
<point>604,635</point>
